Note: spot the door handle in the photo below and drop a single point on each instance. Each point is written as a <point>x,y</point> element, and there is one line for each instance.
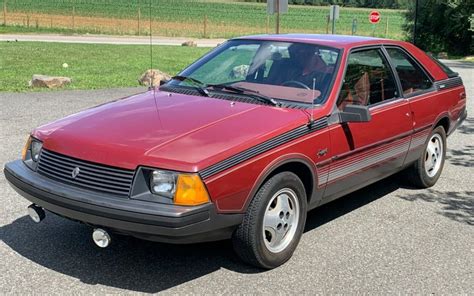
<point>322,152</point>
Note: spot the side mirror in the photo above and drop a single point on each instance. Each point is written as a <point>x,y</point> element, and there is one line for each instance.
<point>355,113</point>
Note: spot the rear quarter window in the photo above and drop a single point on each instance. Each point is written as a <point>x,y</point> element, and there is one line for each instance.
<point>443,66</point>
<point>412,77</point>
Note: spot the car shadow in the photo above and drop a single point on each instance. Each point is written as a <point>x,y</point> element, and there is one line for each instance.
<point>128,263</point>
<point>142,266</point>
<point>344,205</point>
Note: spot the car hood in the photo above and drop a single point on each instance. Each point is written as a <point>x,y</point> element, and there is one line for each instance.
<point>166,130</point>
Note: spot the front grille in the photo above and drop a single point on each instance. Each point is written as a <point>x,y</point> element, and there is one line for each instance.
<point>92,176</point>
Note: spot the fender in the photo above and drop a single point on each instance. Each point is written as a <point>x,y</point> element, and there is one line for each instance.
<point>313,199</point>
<point>440,117</point>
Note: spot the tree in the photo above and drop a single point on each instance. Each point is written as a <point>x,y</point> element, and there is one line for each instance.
<point>442,25</point>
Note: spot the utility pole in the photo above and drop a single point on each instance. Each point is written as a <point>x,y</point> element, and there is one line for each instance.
<point>416,21</point>
<point>139,18</point>
<point>333,16</point>
<point>278,17</point>
<point>5,13</point>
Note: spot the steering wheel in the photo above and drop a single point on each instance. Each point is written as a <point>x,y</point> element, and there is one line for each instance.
<point>294,82</point>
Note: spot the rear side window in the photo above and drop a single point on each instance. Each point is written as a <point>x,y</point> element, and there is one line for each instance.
<point>412,77</point>
<point>368,80</point>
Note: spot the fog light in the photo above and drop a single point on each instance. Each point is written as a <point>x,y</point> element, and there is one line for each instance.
<point>101,238</point>
<point>36,213</point>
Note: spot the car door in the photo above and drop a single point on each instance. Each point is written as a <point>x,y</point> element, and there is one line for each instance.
<point>420,91</point>
<point>364,152</point>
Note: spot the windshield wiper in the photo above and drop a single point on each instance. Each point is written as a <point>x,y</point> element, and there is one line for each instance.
<point>200,86</point>
<point>248,92</point>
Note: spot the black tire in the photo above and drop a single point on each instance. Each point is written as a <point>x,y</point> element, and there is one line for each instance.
<point>417,174</point>
<point>248,240</point>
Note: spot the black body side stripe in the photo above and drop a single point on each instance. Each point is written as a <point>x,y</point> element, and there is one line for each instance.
<point>263,147</point>
<point>448,83</point>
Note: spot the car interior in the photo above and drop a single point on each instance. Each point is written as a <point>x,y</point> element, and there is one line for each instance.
<point>366,85</point>
<point>287,70</point>
<point>412,77</point>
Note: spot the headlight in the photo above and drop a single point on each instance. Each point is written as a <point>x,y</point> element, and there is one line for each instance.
<point>183,189</point>
<point>163,183</point>
<point>31,152</point>
<point>36,149</point>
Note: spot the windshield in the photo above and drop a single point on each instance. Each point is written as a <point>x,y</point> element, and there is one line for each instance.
<point>288,71</point>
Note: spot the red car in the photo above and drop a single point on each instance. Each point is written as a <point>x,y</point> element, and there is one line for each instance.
<point>245,141</point>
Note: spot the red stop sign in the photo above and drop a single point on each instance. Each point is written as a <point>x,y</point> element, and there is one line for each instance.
<point>374,17</point>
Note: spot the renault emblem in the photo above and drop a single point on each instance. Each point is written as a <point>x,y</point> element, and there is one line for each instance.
<point>75,172</point>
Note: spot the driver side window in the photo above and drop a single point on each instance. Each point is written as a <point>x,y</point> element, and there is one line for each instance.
<point>236,58</point>
<point>368,80</point>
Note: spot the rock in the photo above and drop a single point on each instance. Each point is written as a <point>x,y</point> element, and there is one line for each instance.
<point>158,77</point>
<point>49,81</point>
<point>190,43</point>
<point>442,55</point>
<point>240,72</point>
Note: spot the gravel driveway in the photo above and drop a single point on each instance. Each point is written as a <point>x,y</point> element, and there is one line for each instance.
<point>387,238</point>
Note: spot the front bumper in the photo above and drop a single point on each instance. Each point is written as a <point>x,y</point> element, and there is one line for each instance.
<point>146,220</point>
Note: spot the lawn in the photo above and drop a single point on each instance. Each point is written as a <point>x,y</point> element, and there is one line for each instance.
<point>91,66</point>
<point>187,17</point>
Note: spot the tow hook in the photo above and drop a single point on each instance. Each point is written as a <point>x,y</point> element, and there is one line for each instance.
<point>101,238</point>
<point>36,213</point>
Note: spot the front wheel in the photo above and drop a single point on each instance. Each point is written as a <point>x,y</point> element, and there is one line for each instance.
<point>426,170</point>
<point>274,222</point>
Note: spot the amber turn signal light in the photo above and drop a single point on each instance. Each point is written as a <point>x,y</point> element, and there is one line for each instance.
<point>190,191</point>
<point>26,148</point>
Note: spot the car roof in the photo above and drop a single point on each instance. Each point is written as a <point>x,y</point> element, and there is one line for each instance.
<point>322,39</point>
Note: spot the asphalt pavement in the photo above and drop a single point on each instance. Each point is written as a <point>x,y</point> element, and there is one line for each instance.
<point>386,238</point>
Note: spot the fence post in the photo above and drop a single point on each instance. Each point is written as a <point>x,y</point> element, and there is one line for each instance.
<point>205,26</point>
<point>139,19</point>
<point>386,28</point>
<point>327,24</point>
<point>73,18</point>
<point>28,20</point>
<point>354,26</point>
<point>267,24</point>
<point>51,22</point>
<point>5,13</point>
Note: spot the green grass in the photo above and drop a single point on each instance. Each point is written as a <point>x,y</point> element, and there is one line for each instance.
<point>91,66</point>
<point>225,19</point>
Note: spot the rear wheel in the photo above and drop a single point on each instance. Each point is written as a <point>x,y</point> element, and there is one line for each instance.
<point>426,170</point>
<point>274,222</point>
